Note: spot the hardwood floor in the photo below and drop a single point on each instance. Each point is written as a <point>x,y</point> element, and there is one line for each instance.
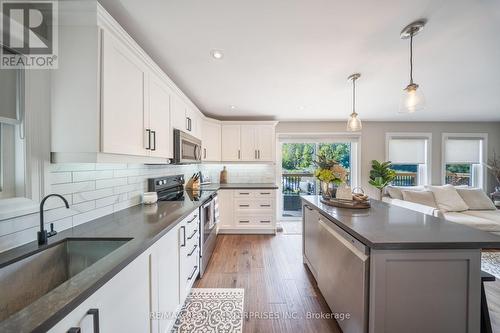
<point>276,283</point>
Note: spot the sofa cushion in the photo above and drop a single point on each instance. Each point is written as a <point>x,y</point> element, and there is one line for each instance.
<point>448,199</point>
<point>476,199</point>
<point>425,198</point>
<point>395,192</point>
<point>486,220</point>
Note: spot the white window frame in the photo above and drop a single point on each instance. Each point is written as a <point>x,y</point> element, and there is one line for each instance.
<point>34,150</point>
<point>427,169</point>
<point>313,138</point>
<point>482,183</point>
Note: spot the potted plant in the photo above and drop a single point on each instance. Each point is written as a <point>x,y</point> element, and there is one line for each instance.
<point>381,175</point>
<point>330,174</point>
<point>493,166</point>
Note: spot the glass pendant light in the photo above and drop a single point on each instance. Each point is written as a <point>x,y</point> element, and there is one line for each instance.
<point>412,99</point>
<point>354,123</point>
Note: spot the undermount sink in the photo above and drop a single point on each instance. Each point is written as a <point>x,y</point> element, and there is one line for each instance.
<point>26,280</point>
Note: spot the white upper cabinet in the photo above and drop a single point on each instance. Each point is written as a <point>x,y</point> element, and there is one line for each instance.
<point>244,142</point>
<point>211,140</point>
<point>230,142</point>
<point>123,123</point>
<point>178,114</point>
<point>160,140</point>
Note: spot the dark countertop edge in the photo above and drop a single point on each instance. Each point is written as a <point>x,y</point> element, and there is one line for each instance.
<point>89,291</point>
<point>402,246</point>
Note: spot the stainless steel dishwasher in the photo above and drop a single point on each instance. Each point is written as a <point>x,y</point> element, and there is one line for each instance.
<point>343,276</point>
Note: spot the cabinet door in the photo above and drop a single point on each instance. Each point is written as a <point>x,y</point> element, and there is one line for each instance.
<point>211,141</point>
<point>248,143</point>
<point>311,238</point>
<point>226,211</point>
<point>230,142</point>
<point>265,143</point>
<point>159,117</point>
<point>166,257</point>
<point>123,123</point>
<point>123,303</point>
<point>178,114</point>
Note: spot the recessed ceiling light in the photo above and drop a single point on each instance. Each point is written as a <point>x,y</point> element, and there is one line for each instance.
<point>217,54</point>
<point>233,107</point>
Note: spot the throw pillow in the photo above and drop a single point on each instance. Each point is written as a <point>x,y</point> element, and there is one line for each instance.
<point>420,197</point>
<point>448,199</point>
<point>476,199</point>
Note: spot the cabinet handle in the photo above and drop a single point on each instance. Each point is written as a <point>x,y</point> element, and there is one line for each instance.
<point>265,205</point>
<point>258,154</point>
<point>244,221</point>
<point>205,153</point>
<point>308,207</point>
<point>192,251</point>
<point>265,193</point>
<point>74,330</point>
<point>265,221</point>
<point>194,218</point>
<point>194,233</point>
<point>95,314</point>
<point>192,274</point>
<point>148,133</point>
<point>154,140</point>
<point>183,228</point>
<point>244,205</point>
<point>239,154</point>
<point>243,193</point>
<point>255,154</point>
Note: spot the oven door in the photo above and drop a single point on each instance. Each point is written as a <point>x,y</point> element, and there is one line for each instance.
<point>187,148</point>
<point>208,233</point>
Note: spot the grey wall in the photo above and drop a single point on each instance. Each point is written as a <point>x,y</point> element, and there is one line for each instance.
<point>373,139</point>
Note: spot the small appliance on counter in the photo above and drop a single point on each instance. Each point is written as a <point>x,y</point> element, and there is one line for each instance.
<point>149,198</point>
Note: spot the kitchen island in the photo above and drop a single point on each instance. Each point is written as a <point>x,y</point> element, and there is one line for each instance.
<point>389,269</point>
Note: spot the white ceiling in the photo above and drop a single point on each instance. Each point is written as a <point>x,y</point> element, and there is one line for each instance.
<point>289,59</point>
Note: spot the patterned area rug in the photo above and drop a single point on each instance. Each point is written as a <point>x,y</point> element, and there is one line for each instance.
<point>490,263</point>
<point>209,310</point>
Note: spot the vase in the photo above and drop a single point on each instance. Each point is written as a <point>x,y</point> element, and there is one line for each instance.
<point>328,190</point>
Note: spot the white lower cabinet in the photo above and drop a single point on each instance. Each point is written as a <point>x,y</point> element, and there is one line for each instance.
<point>122,304</point>
<point>146,294</point>
<point>247,211</point>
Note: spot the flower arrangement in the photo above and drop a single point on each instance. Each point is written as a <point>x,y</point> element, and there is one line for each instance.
<point>330,171</point>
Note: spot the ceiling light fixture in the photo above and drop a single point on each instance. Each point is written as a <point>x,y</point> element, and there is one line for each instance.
<point>217,54</point>
<point>233,107</point>
<point>354,123</point>
<point>413,98</point>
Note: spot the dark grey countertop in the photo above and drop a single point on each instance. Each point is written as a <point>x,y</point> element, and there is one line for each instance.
<point>145,224</point>
<point>385,226</point>
<point>240,186</point>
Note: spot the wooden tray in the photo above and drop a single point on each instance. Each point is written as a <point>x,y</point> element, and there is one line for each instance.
<point>352,204</point>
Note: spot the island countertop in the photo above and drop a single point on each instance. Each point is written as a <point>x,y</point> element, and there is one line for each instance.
<point>384,226</point>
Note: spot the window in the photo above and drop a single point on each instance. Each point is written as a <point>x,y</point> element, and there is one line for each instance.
<point>463,159</point>
<point>410,157</point>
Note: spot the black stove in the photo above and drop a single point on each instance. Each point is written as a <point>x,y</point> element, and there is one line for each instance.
<point>171,188</point>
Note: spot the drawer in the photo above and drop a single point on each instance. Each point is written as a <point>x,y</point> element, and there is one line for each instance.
<point>244,193</point>
<point>259,194</point>
<point>254,220</point>
<point>192,222</point>
<point>253,204</point>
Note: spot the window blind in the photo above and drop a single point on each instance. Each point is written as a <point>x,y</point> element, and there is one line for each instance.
<point>463,150</point>
<point>407,151</point>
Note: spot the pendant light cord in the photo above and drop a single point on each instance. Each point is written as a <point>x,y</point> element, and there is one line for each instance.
<point>353,95</point>
<point>411,57</point>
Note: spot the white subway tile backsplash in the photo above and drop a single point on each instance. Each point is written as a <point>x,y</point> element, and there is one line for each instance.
<point>81,176</point>
<point>69,188</point>
<point>104,183</point>
<point>95,190</point>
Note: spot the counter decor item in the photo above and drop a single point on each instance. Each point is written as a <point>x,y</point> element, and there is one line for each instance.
<point>330,174</point>
<point>344,192</point>
<point>357,200</point>
<point>223,176</point>
<point>381,175</point>
<point>149,198</point>
<point>194,182</point>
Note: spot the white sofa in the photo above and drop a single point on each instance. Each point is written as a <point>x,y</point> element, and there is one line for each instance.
<point>472,208</point>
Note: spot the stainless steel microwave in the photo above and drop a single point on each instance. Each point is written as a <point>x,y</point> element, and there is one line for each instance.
<point>187,148</point>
